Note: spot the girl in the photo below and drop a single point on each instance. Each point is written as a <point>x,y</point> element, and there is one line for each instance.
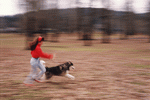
<point>36,53</point>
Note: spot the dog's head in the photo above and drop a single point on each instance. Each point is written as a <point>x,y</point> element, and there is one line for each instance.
<point>67,65</point>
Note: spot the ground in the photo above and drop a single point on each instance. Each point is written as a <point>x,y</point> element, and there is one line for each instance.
<point>119,70</point>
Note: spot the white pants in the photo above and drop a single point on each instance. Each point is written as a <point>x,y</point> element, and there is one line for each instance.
<point>35,63</point>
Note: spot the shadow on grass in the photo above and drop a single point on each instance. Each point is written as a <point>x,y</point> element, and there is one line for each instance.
<point>55,83</point>
<point>60,83</point>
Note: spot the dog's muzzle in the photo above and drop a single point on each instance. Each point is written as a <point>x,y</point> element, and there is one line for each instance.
<point>72,67</point>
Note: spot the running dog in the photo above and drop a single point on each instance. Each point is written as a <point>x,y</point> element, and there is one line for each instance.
<point>60,70</point>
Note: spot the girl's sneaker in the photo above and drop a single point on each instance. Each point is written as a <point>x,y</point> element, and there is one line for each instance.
<point>39,80</point>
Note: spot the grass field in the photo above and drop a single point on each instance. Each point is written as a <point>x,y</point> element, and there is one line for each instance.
<point>116,71</point>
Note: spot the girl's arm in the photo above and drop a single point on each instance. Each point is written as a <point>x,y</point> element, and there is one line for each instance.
<point>44,55</point>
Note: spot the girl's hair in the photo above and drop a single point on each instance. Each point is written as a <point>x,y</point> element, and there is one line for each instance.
<point>33,44</point>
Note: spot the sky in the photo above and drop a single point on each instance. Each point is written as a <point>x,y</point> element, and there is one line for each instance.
<point>12,7</point>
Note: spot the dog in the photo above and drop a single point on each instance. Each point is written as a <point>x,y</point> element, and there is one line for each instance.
<point>59,70</point>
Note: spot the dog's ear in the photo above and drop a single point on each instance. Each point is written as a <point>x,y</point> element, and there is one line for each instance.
<point>70,63</point>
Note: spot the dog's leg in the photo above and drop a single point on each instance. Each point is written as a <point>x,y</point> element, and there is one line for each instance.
<point>69,76</point>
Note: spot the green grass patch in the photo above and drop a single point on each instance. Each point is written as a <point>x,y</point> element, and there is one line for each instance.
<point>146,74</point>
<point>138,83</point>
<point>96,35</point>
<point>72,47</point>
<point>133,50</point>
<point>145,58</point>
<point>141,74</point>
<point>6,35</point>
<point>12,43</point>
<point>139,66</point>
<point>77,49</point>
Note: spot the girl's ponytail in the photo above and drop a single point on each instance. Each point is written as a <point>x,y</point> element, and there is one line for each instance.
<point>33,44</point>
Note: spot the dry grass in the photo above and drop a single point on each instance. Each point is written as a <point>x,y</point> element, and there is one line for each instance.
<point>116,71</point>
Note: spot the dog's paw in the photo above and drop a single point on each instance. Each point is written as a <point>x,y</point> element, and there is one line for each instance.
<point>70,76</point>
<point>73,78</point>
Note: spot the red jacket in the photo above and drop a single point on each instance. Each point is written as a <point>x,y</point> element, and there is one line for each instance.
<point>37,52</point>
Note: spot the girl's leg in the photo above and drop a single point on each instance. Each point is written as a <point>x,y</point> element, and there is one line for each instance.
<point>42,68</point>
<point>31,76</point>
<point>33,72</point>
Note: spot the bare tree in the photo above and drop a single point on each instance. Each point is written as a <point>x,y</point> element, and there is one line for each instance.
<point>106,21</point>
<point>88,26</point>
<point>54,20</point>
<point>31,17</point>
<point>148,18</point>
<point>79,19</point>
<point>84,23</point>
<point>129,20</point>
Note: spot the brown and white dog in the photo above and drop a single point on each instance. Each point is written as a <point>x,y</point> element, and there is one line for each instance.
<point>60,70</point>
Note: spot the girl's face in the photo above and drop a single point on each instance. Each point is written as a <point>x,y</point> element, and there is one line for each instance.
<point>41,42</point>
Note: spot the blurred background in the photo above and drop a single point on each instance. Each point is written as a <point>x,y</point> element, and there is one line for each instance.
<point>83,17</point>
<point>108,42</point>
